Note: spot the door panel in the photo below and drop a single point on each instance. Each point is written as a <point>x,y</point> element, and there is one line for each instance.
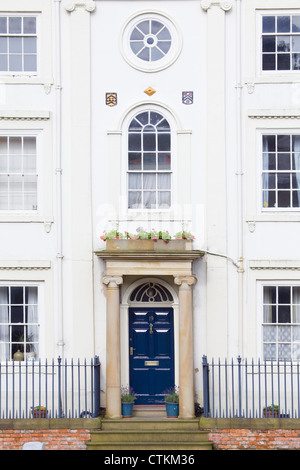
<point>151,353</point>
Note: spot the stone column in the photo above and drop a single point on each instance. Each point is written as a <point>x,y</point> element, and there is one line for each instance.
<point>113,359</point>
<point>186,347</point>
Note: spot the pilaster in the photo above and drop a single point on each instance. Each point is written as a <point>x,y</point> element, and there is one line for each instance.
<point>113,357</point>
<point>216,164</point>
<point>186,346</point>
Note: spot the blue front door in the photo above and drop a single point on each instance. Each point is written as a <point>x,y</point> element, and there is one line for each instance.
<point>151,353</point>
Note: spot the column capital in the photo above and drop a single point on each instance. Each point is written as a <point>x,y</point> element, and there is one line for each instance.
<point>226,5</point>
<point>88,5</point>
<point>189,280</point>
<point>112,281</point>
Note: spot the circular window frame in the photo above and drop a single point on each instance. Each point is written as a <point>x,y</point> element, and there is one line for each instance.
<point>143,65</point>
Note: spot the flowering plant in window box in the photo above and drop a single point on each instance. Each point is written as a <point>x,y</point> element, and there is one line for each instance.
<point>111,235</point>
<point>184,235</point>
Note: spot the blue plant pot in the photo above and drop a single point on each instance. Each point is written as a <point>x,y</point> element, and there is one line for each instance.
<point>127,410</point>
<point>172,410</point>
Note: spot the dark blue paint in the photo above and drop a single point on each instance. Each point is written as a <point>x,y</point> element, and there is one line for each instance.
<point>151,343</point>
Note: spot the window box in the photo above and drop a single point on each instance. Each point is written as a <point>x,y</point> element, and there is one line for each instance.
<point>148,245</point>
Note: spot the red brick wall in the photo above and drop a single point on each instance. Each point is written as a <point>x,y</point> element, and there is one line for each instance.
<point>243,439</point>
<point>53,439</point>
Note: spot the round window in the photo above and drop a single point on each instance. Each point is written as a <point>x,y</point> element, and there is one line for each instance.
<point>150,42</point>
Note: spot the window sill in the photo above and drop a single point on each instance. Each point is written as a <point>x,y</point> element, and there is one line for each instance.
<point>276,217</point>
<point>11,218</point>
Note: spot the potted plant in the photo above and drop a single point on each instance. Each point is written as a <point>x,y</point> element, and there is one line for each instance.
<point>127,401</point>
<point>172,402</point>
<point>39,412</point>
<point>271,411</point>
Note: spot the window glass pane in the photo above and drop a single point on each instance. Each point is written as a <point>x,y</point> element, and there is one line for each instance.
<point>296,43</point>
<point>164,181</point>
<point>268,24</point>
<point>30,45</point>
<point>143,118</point>
<point>296,61</point>
<point>149,181</point>
<point>268,44</point>
<point>284,351</point>
<point>3,145</point>
<point>283,24</point>
<point>164,161</point>
<point>144,26</point>
<point>3,45</point>
<point>15,63</point>
<point>3,25</point>
<point>134,161</point>
<point>269,352</point>
<point>164,199</point>
<point>134,199</point>
<point>17,295</point>
<point>149,161</point>
<point>29,25</point>
<point>269,333</point>
<point>144,54</point>
<point>269,161</point>
<point>284,161</point>
<point>164,142</point>
<point>283,43</point>
<point>164,46</point>
<point>15,44</point>
<point>30,64</point>
<point>149,200</point>
<point>156,53</point>
<point>164,34</point>
<point>269,314</point>
<point>296,24</point>
<point>149,141</point>
<point>268,61</point>
<point>15,25</point>
<point>269,294</point>
<point>284,314</point>
<point>3,63</point>
<point>134,141</point>
<point>284,199</point>
<point>17,314</point>
<point>137,46</point>
<point>135,181</point>
<point>283,61</point>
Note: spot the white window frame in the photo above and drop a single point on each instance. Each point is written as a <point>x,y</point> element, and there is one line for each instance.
<point>33,123</point>
<point>42,10</point>
<point>38,52</point>
<point>148,214</point>
<point>40,297</point>
<point>158,65</point>
<point>275,132</point>
<point>254,9</point>
<point>277,283</point>
<point>157,171</point>
<point>39,173</point>
<point>275,13</point>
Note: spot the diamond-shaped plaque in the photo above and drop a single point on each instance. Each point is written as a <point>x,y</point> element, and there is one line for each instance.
<point>149,91</point>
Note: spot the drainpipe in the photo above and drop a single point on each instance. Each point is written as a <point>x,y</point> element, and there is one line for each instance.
<point>239,174</point>
<point>58,173</point>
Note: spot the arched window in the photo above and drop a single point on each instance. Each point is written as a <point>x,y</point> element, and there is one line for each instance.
<point>151,292</point>
<point>149,162</point>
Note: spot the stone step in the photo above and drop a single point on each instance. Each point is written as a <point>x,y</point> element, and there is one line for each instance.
<point>152,445</point>
<point>149,411</point>
<point>148,424</point>
<point>149,435</point>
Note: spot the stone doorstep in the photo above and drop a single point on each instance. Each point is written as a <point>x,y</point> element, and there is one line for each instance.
<point>139,433</point>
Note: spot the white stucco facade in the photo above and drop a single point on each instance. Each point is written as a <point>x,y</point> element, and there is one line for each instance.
<point>83,53</point>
